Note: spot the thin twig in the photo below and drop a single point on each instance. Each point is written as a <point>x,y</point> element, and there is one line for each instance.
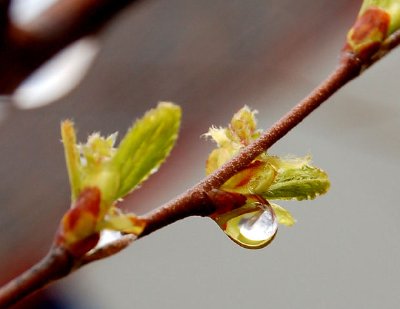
<point>106,250</point>
<point>59,262</point>
<point>55,265</point>
<point>193,201</point>
<point>388,45</point>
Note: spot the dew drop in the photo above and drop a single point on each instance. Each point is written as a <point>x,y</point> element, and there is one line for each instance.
<point>252,226</point>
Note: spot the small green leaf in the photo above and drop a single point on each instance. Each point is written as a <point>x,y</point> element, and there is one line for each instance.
<point>240,132</point>
<point>146,146</point>
<point>257,177</point>
<point>298,182</point>
<point>283,215</point>
<point>125,223</point>
<point>72,157</point>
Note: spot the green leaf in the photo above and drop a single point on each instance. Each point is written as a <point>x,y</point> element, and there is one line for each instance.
<point>240,132</point>
<point>257,177</point>
<point>146,146</point>
<point>72,157</point>
<point>126,223</point>
<point>300,183</point>
<point>283,215</point>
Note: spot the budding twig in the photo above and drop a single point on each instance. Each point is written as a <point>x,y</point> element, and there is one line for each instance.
<point>59,262</point>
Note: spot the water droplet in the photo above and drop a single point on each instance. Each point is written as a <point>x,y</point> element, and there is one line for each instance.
<point>252,226</point>
<point>108,236</point>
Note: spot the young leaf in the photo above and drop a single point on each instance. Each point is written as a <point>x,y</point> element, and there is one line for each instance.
<point>284,216</point>
<point>257,177</point>
<point>240,132</point>
<point>300,183</point>
<point>100,175</point>
<point>126,223</point>
<point>254,224</point>
<point>72,157</point>
<point>146,146</point>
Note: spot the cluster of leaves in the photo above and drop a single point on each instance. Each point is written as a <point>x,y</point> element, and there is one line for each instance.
<point>100,175</point>
<point>269,177</point>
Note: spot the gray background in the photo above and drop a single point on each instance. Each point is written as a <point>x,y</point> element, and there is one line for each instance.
<point>212,57</point>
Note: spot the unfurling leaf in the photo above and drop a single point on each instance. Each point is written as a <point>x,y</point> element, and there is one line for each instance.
<point>297,179</point>
<point>240,132</point>
<point>283,215</point>
<point>100,175</point>
<point>257,177</point>
<point>126,223</point>
<point>242,203</point>
<point>146,146</point>
<point>72,157</point>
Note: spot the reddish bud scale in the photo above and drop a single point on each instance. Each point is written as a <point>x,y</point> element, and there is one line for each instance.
<point>367,34</point>
<point>88,202</point>
<point>77,230</point>
<point>83,246</point>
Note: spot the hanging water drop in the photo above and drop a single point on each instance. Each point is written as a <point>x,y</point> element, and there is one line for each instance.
<point>253,230</point>
<point>252,225</point>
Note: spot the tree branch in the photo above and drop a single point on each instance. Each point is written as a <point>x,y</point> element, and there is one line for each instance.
<point>55,265</point>
<point>194,202</point>
<point>58,263</point>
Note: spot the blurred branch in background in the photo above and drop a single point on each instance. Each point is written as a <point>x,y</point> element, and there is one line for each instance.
<point>25,48</point>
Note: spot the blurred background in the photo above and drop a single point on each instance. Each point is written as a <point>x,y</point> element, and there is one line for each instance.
<point>212,57</point>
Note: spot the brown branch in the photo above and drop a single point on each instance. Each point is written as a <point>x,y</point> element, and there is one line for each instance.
<point>60,263</point>
<point>25,49</point>
<point>57,264</point>
<point>107,250</point>
<point>388,45</point>
<point>194,200</point>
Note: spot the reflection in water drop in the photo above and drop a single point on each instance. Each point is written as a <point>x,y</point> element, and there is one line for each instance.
<point>107,236</point>
<point>58,76</point>
<point>252,226</point>
<point>258,226</point>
